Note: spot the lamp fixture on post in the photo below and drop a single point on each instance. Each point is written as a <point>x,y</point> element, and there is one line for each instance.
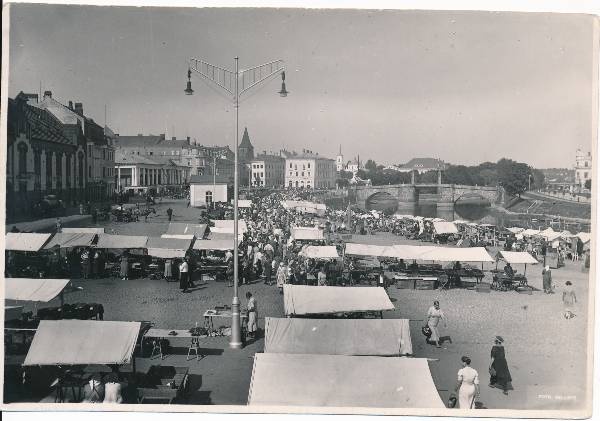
<point>236,83</point>
<point>188,90</point>
<point>283,92</point>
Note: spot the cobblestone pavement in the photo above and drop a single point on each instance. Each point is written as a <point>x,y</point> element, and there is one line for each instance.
<point>546,353</point>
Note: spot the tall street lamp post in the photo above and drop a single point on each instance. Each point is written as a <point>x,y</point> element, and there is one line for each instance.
<point>236,83</point>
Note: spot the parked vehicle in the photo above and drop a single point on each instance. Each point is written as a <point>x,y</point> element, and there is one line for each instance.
<point>49,206</point>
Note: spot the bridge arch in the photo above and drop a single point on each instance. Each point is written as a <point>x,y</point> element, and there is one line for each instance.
<point>382,201</point>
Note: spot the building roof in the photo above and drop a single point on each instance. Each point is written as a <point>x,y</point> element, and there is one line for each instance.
<point>265,157</point>
<point>424,163</point>
<point>124,159</point>
<point>307,155</point>
<point>154,141</point>
<point>43,124</point>
<point>208,179</point>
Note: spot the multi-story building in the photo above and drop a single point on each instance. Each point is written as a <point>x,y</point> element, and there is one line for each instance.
<point>144,174</point>
<point>309,170</point>
<point>100,162</point>
<point>44,156</point>
<point>268,171</point>
<point>583,167</point>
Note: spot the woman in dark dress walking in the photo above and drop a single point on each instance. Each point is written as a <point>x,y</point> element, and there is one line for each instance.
<point>499,373</point>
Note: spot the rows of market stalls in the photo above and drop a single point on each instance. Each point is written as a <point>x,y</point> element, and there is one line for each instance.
<point>65,254</point>
<point>38,310</point>
<point>335,349</point>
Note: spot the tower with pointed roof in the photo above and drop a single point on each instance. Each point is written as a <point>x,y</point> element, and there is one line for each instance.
<point>339,161</point>
<point>245,149</point>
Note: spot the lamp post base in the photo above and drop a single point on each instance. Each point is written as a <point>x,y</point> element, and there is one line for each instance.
<point>235,342</point>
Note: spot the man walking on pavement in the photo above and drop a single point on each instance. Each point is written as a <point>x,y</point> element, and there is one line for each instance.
<point>170,213</point>
<point>183,275</point>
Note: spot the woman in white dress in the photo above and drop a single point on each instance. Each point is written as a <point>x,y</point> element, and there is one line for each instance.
<point>467,385</point>
<point>252,315</point>
<point>434,315</point>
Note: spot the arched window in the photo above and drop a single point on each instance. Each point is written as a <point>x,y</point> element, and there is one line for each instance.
<point>209,197</point>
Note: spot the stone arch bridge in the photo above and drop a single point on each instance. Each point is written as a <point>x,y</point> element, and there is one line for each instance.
<point>444,195</point>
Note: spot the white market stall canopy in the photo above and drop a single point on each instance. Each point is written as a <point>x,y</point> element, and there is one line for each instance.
<point>372,250</point>
<point>83,230</point>
<point>585,237</point>
<point>342,381</point>
<point>226,226</point>
<point>79,342</point>
<point>450,254</point>
<point>178,236</point>
<point>307,233</point>
<point>244,203</point>
<point>215,244</point>
<point>180,228</point>
<point>384,337</point>
<point>168,248</point>
<point>304,299</point>
<point>410,252</point>
<point>304,206</point>
<point>23,241</point>
<point>515,230</point>
<point>70,239</point>
<point>549,234</point>
<point>566,234</point>
<point>529,232</point>
<point>443,227</point>
<point>517,257</point>
<point>320,252</point>
<point>33,289</point>
<point>110,241</point>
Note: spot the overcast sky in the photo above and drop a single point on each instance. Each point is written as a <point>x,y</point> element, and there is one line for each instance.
<point>465,87</point>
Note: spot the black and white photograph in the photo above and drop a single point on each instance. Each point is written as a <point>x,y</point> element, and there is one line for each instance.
<point>299,210</point>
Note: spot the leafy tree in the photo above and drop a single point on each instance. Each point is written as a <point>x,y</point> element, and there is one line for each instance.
<point>513,176</point>
<point>489,176</point>
<point>371,165</point>
<point>588,184</point>
<point>538,179</point>
<point>346,175</point>
<point>458,174</point>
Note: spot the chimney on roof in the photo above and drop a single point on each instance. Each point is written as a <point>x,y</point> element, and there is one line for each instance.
<point>173,138</point>
<point>47,94</point>
<point>188,140</point>
<point>162,136</point>
<point>140,135</point>
<point>79,108</point>
<point>70,105</point>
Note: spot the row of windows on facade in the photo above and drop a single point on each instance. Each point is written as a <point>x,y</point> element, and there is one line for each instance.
<point>107,155</point>
<point>301,184</point>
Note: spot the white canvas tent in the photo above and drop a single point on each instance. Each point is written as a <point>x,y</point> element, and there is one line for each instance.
<point>384,337</point>
<point>79,342</point>
<point>303,299</point>
<point>168,248</point>
<point>355,249</point>
<point>33,289</point>
<point>180,229</point>
<point>517,257</point>
<point>24,241</point>
<point>450,254</point>
<point>226,226</point>
<point>530,232</point>
<point>320,252</point>
<point>244,203</point>
<point>307,233</point>
<point>585,237</point>
<point>342,381</point>
<point>70,239</point>
<point>222,244</point>
<point>515,230</point>
<point>83,230</point>
<point>111,241</point>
